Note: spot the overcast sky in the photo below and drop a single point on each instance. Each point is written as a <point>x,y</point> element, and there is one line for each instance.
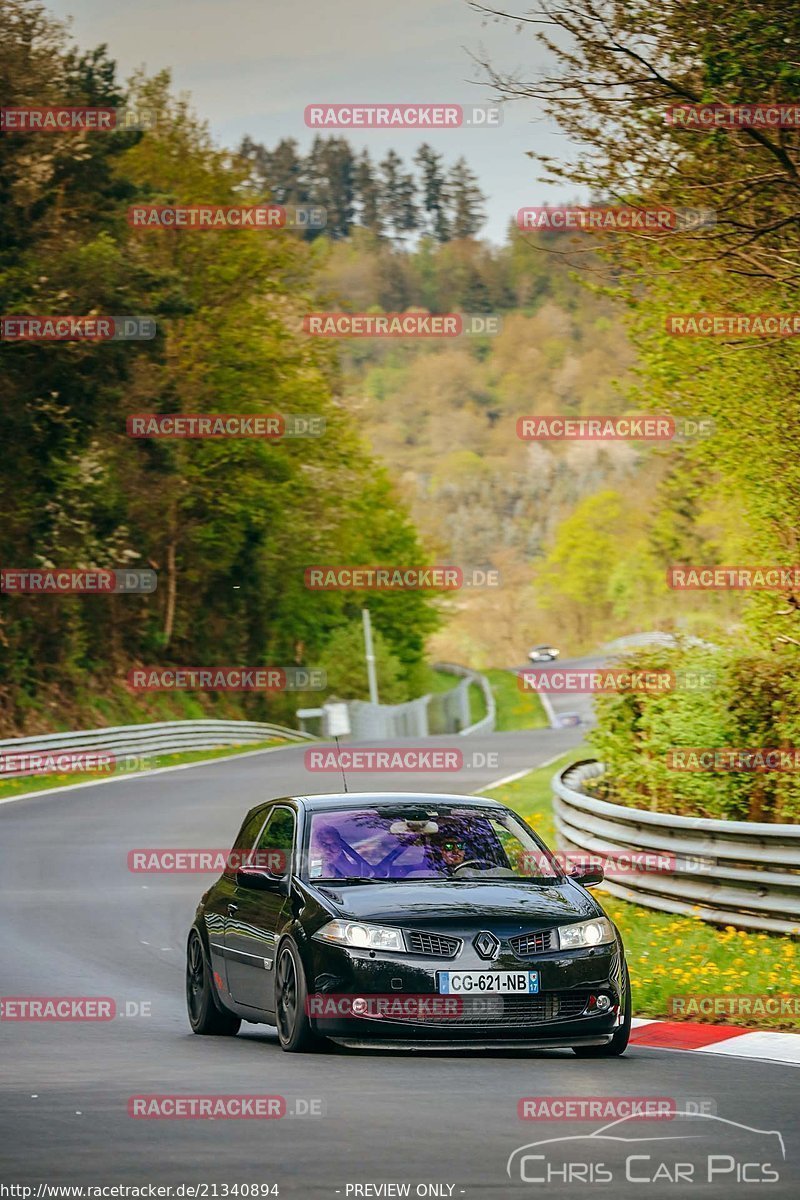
<point>253,65</point>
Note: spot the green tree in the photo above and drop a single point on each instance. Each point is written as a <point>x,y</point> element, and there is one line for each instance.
<point>229,525</point>
<point>467,213</point>
<point>434,193</point>
<point>345,666</point>
<point>368,194</point>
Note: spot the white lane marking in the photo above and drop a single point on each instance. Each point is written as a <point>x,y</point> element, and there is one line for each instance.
<point>506,779</point>
<point>203,762</point>
<point>519,774</point>
<point>768,1044</point>
<point>638,1022</point>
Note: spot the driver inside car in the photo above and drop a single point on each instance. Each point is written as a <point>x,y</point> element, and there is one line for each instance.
<point>446,852</point>
<point>475,849</point>
<point>453,852</point>
<point>442,855</point>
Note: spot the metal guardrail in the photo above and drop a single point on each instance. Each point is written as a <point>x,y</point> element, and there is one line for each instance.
<point>738,873</point>
<point>434,713</point>
<point>163,737</point>
<point>487,723</point>
<point>384,722</point>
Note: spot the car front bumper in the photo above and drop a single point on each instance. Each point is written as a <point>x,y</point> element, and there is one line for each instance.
<point>365,997</point>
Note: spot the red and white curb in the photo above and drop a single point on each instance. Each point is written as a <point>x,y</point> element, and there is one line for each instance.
<point>770,1045</point>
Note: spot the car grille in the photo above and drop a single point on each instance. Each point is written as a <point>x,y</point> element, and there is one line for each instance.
<point>526,944</point>
<point>432,943</point>
<point>507,1010</point>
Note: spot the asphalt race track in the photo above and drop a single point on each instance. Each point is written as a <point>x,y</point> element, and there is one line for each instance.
<point>76,921</point>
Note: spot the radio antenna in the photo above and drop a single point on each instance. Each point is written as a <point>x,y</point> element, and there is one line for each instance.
<point>339,756</point>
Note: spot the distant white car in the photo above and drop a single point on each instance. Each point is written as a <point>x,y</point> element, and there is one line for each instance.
<point>543,654</point>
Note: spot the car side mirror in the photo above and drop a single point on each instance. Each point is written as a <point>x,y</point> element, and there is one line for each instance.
<point>259,880</point>
<point>588,876</point>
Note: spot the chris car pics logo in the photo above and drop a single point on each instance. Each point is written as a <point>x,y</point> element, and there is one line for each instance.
<point>696,1150</point>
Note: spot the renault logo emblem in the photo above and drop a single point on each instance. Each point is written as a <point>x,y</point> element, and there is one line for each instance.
<point>486,944</point>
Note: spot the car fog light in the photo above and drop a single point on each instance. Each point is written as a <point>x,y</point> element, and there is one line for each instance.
<point>603,1003</point>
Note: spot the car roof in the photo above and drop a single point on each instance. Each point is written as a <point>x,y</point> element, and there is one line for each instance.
<point>330,800</point>
<point>348,799</point>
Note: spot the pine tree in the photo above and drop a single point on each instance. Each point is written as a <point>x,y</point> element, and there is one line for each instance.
<point>407,212</point>
<point>331,169</point>
<point>434,193</point>
<point>466,200</point>
<point>368,193</point>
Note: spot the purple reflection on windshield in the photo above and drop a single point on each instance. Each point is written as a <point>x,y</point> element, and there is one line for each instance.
<point>366,843</point>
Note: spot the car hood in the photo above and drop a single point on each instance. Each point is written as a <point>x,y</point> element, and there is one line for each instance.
<point>444,903</point>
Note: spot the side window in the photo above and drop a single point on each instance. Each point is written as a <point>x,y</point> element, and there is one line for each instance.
<point>244,841</point>
<point>274,849</point>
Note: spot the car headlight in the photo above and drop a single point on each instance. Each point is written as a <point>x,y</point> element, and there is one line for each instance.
<point>361,936</point>
<point>597,932</point>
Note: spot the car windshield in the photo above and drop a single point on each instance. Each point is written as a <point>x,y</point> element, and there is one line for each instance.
<point>433,842</point>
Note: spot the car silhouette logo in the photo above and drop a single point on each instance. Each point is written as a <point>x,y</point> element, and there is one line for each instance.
<point>486,944</point>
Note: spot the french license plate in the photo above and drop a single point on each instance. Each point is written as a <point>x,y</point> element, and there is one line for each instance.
<point>487,983</point>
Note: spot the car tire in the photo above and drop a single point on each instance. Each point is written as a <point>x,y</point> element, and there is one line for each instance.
<point>291,994</point>
<point>206,1015</point>
<point>619,1042</point>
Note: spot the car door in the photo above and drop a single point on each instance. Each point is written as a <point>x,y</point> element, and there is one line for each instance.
<point>254,917</point>
<point>220,899</point>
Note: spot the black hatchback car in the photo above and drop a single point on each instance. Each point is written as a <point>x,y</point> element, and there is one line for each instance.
<point>406,920</point>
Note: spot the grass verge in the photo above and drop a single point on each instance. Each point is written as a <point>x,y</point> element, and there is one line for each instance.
<point>671,956</point>
<point>38,783</point>
<point>515,709</point>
